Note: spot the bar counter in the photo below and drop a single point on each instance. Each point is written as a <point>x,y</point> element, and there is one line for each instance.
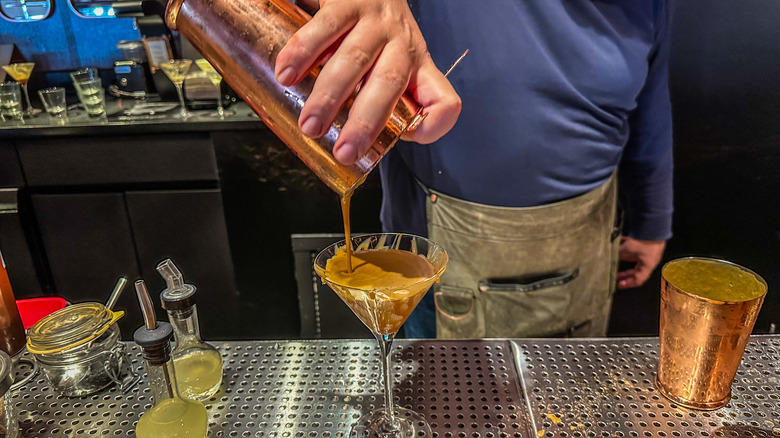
<point>121,120</point>
<point>466,389</point>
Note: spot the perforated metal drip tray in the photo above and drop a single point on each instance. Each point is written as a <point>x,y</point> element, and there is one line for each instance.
<point>604,388</point>
<point>313,389</point>
<point>466,389</point>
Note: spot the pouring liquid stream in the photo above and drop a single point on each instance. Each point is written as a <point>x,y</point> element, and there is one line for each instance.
<point>345,201</point>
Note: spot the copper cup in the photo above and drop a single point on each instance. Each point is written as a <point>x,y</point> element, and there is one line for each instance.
<point>241,39</point>
<point>702,339</point>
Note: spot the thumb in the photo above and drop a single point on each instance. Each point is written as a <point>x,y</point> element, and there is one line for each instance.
<point>439,100</point>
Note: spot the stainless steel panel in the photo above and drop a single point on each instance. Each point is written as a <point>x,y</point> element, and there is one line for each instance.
<point>604,388</point>
<point>466,389</point>
<point>313,389</point>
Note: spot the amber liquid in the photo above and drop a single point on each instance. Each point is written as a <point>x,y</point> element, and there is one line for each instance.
<point>381,286</point>
<point>345,200</point>
<point>713,280</point>
<point>20,72</point>
<point>12,337</point>
<point>384,286</point>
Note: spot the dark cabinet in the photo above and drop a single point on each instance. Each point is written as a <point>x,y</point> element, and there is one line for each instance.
<point>16,239</point>
<point>189,227</point>
<point>105,206</point>
<point>154,159</point>
<point>89,243</point>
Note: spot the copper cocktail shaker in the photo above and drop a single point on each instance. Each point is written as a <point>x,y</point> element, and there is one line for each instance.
<point>702,339</point>
<point>241,39</point>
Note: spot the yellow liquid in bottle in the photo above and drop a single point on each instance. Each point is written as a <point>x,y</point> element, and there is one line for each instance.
<point>174,418</point>
<point>198,374</point>
<point>714,280</point>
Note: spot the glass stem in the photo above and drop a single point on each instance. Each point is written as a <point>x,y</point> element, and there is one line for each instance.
<point>220,109</point>
<point>385,350</point>
<point>27,98</point>
<point>181,100</point>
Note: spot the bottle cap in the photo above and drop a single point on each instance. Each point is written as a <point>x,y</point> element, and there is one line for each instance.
<point>155,343</point>
<point>178,295</point>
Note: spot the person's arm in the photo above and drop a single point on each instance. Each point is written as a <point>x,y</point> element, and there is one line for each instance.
<point>646,167</point>
<point>376,42</point>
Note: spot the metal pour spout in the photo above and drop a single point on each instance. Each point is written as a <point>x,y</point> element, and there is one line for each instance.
<point>146,305</point>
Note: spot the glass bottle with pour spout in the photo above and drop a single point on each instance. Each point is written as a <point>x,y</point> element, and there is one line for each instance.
<point>172,416</point>
<point>198,364</point>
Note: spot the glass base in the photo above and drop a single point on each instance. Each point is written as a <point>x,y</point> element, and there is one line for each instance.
<point>408,424</point>
<point>216,115</point>
<point>182,115</point>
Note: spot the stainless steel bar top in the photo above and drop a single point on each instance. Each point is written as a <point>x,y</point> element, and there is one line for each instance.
<point>466,389</point>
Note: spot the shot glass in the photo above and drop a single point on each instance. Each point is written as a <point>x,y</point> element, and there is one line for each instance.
<point>708,310</point>
<point>53,100</point>
<point>84,74</point>
<point>11,101</point>
<point>92,96</point>
<point>87,86</point>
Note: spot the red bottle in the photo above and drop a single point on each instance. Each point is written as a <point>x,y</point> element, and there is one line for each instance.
<point>12,337</point>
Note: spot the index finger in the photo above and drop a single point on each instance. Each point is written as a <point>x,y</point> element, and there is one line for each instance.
<point>310,41</point>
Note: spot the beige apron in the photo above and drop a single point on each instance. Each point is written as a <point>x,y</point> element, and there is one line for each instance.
<point>526,272</point>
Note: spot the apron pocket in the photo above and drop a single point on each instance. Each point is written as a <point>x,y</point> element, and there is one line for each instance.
<point>456,315</point>
<point>528,306</point>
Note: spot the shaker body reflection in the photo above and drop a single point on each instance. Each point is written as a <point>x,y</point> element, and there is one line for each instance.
<point>241,39</point>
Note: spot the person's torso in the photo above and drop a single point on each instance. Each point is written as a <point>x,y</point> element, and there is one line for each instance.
<point>547,88</point>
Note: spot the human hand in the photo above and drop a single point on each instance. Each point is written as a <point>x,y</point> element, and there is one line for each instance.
<point>373,39</point>
<point>646,254</point>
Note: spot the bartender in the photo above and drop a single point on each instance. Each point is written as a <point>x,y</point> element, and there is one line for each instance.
<point>562,102</point>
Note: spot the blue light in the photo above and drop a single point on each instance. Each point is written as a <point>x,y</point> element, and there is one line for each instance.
<point>97,11</point>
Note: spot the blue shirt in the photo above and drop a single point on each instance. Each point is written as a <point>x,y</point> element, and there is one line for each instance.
<point>556,94</point>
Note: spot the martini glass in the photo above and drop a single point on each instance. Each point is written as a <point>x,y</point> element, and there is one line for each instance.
<point>21,72</point>
<point>216,79</point>
<point>383,310</point>
<point>176,70</point>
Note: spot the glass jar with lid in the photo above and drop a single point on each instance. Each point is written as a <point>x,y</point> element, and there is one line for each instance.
<point>79,350</point>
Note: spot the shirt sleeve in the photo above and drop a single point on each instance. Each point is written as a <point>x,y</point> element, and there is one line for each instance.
<point>645,170</point>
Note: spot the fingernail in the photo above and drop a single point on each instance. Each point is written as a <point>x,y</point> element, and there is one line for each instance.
<point>311,127</point>
<point>287,76</point>
<point>346,154</point>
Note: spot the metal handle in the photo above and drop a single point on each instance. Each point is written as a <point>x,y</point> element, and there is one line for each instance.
<point>118,355</point>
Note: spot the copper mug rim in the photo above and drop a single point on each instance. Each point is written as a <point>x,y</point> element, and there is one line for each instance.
<point>722,261</point>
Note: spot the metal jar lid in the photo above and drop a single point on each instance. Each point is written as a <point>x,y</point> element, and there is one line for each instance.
<point>6,373</point>
<point>70,327</point>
